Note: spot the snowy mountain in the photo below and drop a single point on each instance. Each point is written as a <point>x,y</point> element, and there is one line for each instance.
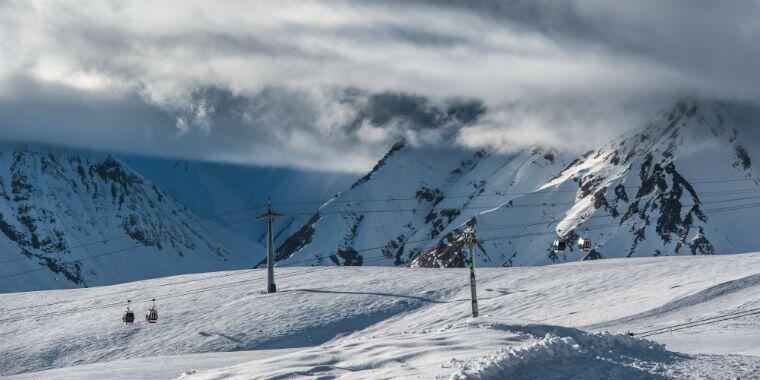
<point>683,184</point>
<point>680,185</point>
<point>76,219</point>
<point>229,192</point>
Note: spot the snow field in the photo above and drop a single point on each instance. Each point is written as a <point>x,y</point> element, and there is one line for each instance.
<point>559,321</point>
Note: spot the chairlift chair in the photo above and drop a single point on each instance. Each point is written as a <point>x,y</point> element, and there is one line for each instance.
<point>152,316</point>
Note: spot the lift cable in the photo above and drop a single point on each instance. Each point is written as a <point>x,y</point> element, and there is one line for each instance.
<point>386,211</point>
<point>532,234</point>
<point>314,269</point>
<point>698,322</point>
<point>120,250</point>
<point>189,292</point>
<point>727,208</point>
<point>493,194</point>
<point>530,205</point>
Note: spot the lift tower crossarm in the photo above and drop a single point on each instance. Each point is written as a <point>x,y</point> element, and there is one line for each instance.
<point>269,215</point>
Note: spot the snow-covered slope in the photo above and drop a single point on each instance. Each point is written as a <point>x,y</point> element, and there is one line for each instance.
<point>412,196</point>
<point>230,191</point>
<point>536,322</point>
<point>74,219</point>
<point>680,185</point>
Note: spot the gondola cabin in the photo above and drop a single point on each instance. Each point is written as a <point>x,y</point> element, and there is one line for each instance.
<point>152,316</point>
<point>129,316</point>
<point>584,243</point>
<point>559,245</point>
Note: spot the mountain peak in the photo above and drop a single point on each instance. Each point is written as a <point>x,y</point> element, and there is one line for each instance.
<point>652,190</point>
<point>71,218</point>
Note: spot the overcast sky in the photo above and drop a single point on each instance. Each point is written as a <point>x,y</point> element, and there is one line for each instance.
<point>331,84</point>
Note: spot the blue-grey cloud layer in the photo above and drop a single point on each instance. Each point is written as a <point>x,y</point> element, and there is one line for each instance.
<point>331,83</point>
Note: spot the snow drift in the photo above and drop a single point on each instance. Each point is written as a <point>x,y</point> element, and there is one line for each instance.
<point>577,355</point>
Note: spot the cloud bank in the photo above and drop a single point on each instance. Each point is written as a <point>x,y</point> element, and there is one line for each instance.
<point>330,84</point>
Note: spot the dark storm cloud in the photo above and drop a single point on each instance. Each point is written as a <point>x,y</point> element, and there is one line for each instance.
<point>331,84</point>
<point>419,112</point>
<point>275,126</point>
<point>55,114</point>
<point>337,122</point>
<point>705,36</point>
<point>387,32</point>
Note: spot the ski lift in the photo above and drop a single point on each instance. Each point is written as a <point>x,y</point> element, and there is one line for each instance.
<point>559,245</point>
<point>152,316</point>
<point>584,243</point>
<point>129,315</point>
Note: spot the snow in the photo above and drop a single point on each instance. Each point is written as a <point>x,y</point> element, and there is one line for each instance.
<point>157,367</point>
<point>646,193</point>
<point>74,218</point>
<point>575,355</point>
<point>557,321</point>
<point>209,188</point>
<point>684,183</point>
<point>470,182</point>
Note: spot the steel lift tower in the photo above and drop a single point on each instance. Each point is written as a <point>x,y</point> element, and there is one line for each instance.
<point>269,215</point>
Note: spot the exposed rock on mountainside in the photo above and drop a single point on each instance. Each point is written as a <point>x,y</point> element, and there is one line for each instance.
<point>680,185</point>
<point>80,219</point>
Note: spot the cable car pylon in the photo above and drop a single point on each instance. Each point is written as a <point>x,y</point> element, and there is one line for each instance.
<point>269,215</point>
<point>469,239</point>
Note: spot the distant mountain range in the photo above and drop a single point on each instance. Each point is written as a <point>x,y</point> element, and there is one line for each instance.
<point>73,218</point>
<point>685,183</point>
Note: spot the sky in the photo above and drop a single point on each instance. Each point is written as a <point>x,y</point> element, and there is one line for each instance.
<point>330,85</point>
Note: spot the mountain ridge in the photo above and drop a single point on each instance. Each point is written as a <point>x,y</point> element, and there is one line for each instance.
<point>75,219</point>
<point>650,181</point>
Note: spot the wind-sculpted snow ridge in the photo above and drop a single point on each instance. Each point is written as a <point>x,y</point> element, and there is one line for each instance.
<point>76,219</point>
<point>683,184</point>
<point>577,355</point>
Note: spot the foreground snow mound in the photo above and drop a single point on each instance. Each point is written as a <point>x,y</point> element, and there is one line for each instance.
<point>580,355</point>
